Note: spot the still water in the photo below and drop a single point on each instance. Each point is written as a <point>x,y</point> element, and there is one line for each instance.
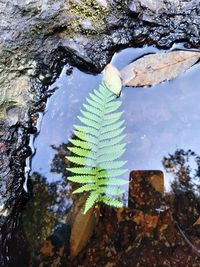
<point>162,127</point>
<point>159,120</point>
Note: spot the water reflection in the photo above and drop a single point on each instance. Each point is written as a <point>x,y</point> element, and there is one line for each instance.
<point>60,116</point>
<point>125,235</point>
<point>49,205</point>
<point>185,167</point>
<point>162,123</point>
<point>159,120</point>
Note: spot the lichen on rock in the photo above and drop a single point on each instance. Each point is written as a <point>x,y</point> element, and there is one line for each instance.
<point>89,15</point>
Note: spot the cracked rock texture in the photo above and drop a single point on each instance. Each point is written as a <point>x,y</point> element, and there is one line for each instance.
<point>33,32</point>
<point>37,37</point>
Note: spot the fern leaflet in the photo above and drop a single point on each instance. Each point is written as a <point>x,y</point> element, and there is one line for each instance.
<point>96,148</point>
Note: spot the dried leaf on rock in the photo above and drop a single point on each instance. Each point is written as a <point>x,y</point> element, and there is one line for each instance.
<point>47,248</point>
<point>112,79</point>
<point>197,222</point>
<point>146,221</point>
<point>120,212</point>
<point>82,230</point>
<point>157,181</point>
<point>155,68</point>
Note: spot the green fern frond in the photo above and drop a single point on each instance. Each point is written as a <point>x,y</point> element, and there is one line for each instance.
<point>79,151</point>
<point>112,134</point>
<point>111,156</point>
<point>82,170</point>
<point>93,106</point>
<point>82,179</point>
<point>96,99</point>
<point>93,110</point>
<point>80,143</point>
<point>86,137</point>
<point>112,149</point>
<point>92,199</point>
<point>113,117</point>
<point>96,146</point>
<point>112,127</point>
<point>113,107</point>
<point>89,122</point>
<point>85,188</point>
<point>81,161</point>
<point>111,201</point>
<point>90,116</point>
<point>114,191</point>
<point>113,164</point>
<point>111,143</point>
<point>87,130</point>
<point>100,95</point>
<point>111,173</point>
<point>112,181</point>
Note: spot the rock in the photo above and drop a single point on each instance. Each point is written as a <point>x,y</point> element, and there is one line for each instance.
<point>43,27</point>
<point>39,37</point>
<point>87,25</point>
<point>155,6</point>
<point>103,3</point>
<point>12,115</point>
<point>133,6</point>
<point>15,92</point>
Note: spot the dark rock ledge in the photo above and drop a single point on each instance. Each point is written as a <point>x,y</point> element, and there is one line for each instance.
<point>38,37</point>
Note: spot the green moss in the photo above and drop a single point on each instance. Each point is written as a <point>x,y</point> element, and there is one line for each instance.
<point>90,10</point>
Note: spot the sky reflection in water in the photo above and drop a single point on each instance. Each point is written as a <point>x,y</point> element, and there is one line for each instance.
<point>159,120</point>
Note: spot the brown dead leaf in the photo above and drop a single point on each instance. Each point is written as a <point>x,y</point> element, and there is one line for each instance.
<point>197,222</point>
<point>150,221</point>
<point>82,230</point>
<point>157,181</point>
<point>120,214</point>
<point>156,68</point>
<point>47,248</point>
<point>146,221</point>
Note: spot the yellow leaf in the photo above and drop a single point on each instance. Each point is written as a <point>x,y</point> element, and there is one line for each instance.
<point>112,79</point>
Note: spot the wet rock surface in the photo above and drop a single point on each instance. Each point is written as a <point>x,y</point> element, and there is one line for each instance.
<point>38,37</point>
<point>148,233</point>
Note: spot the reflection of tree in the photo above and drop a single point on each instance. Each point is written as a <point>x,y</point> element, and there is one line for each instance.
<point>48,206</point>
<point>185,167</point>
<point>59,165</point>
<point>59,162</point>
<point>37,218</point>
<point>50,202</point>
<point>45,216</point>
